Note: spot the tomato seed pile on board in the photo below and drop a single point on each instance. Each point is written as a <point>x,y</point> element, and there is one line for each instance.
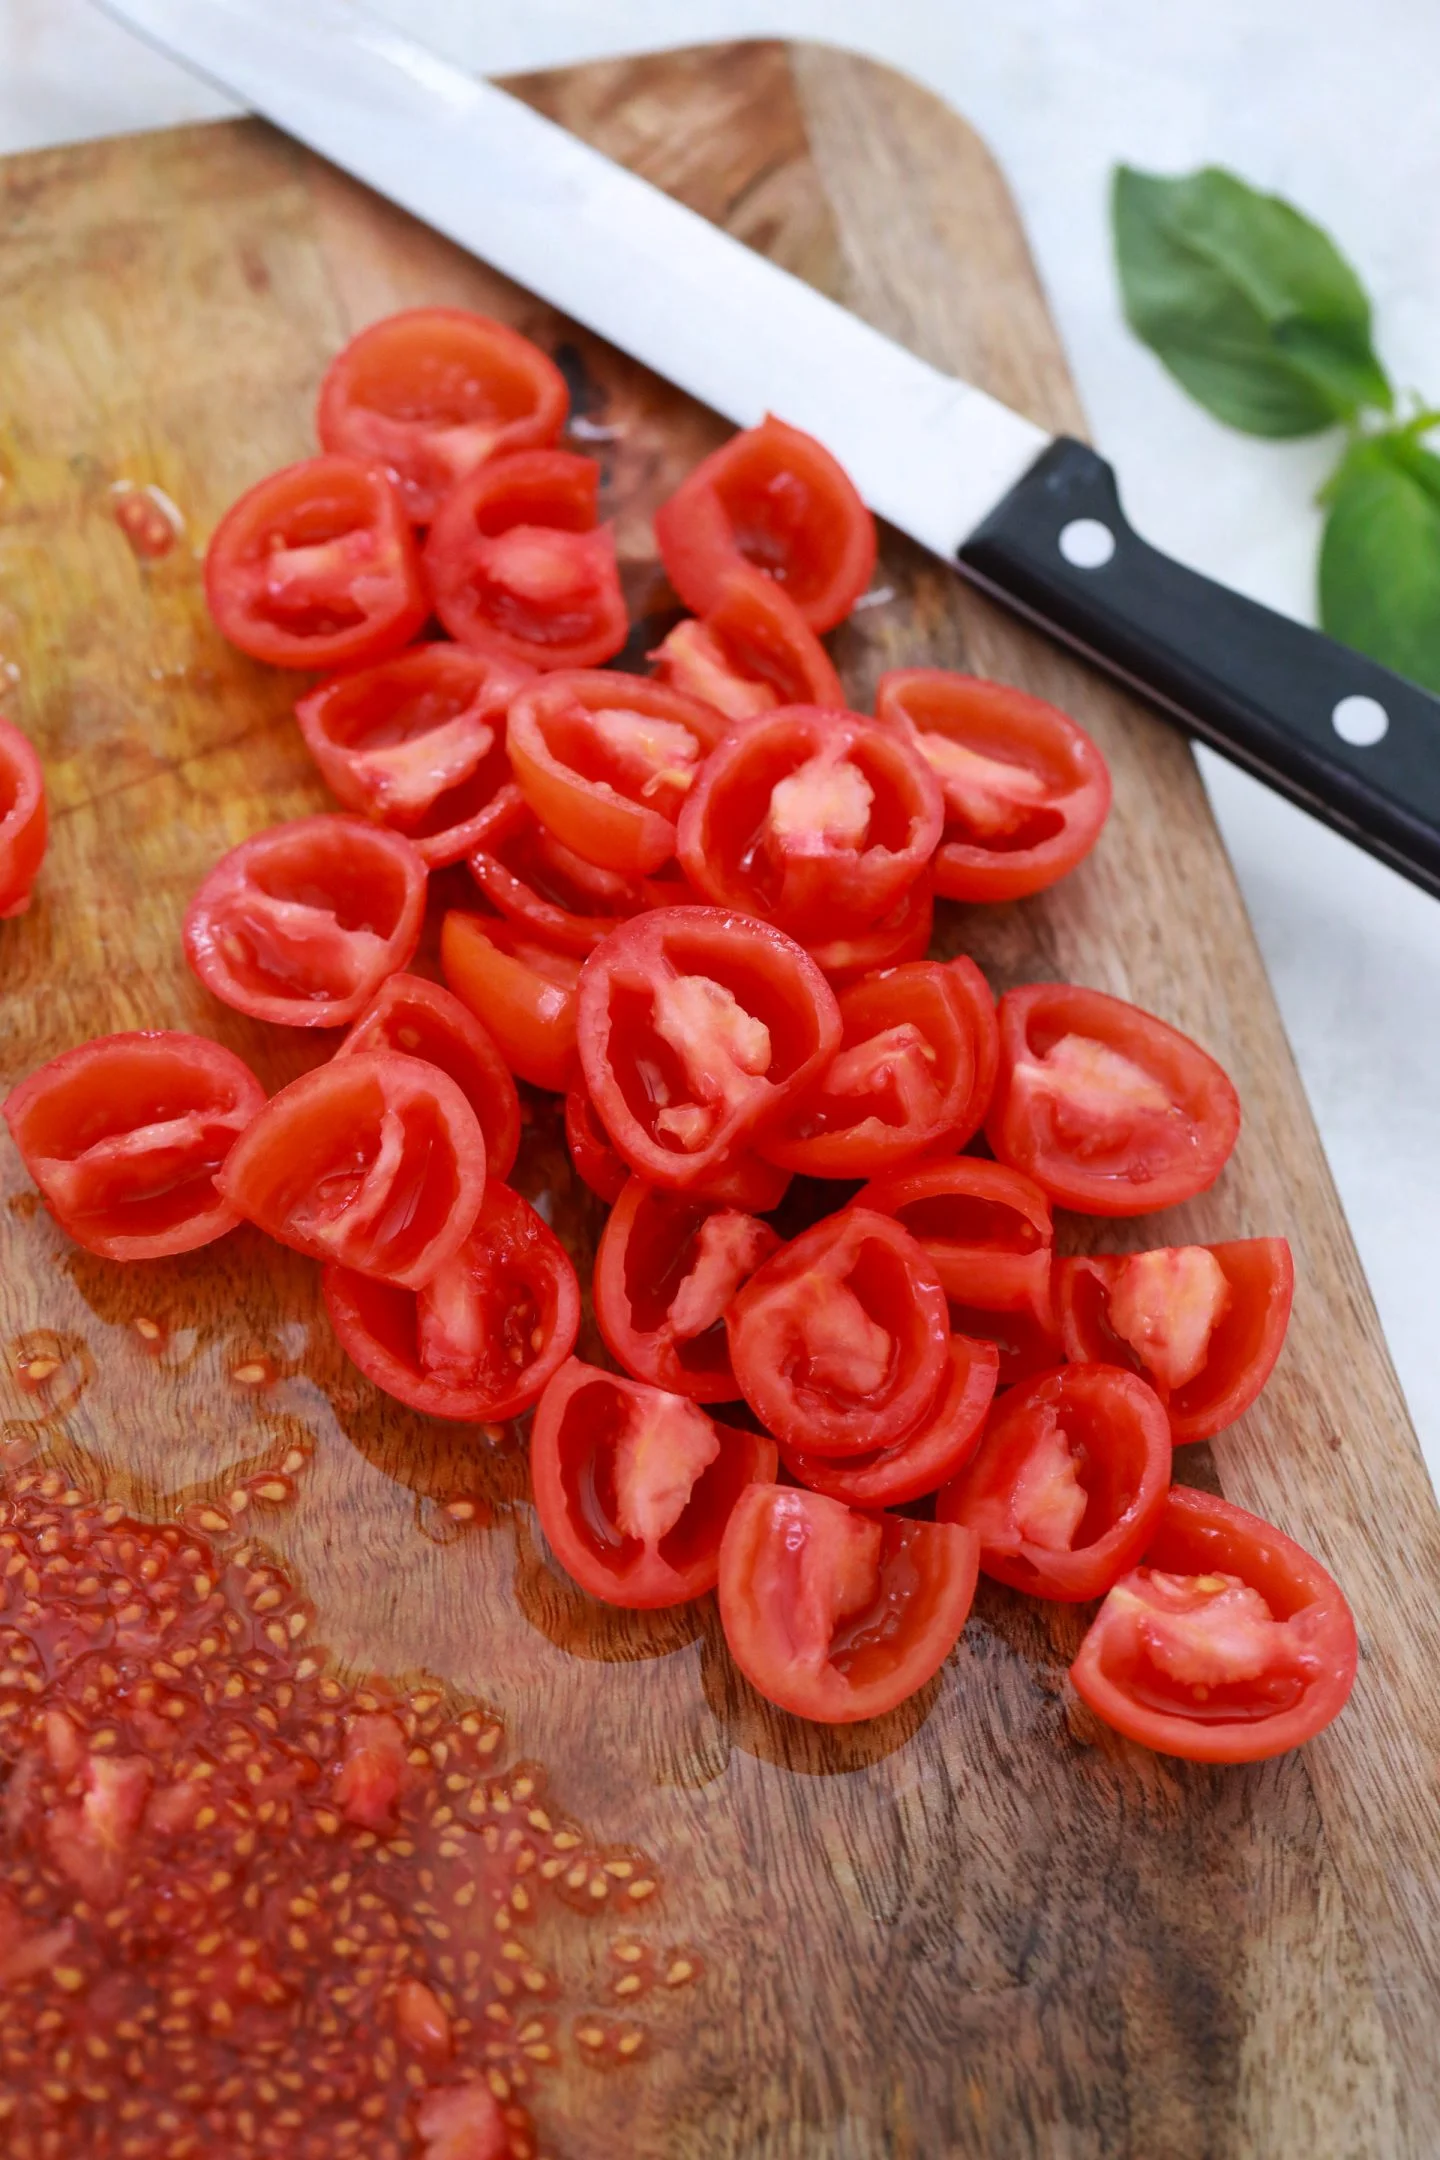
<point>852,1371</point>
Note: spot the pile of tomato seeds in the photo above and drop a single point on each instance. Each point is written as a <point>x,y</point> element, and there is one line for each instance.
<point>851,1372</point>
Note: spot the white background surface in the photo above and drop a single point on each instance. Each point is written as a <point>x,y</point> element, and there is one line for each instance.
<point>1332,102</point>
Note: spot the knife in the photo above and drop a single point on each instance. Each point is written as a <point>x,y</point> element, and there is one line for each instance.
<point>1033,519</point>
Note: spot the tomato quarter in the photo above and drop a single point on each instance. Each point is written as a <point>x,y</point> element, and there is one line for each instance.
<point>521,990</point>
<point>666,1272</point>
<point>634,1486</point>
<point>123,1136</point>
<point>23,820</point>
<point>421,1020</point>
<point>934,1450</point>
<point>1109,1109</point>
<point>838,1616</point>
<point>753,651</point>
<point>1229,1644</point>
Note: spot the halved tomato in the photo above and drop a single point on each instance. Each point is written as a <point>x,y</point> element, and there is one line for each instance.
<point>422,1020</point>
<point>666,1272</point>
<point>921,1460</point>
<point>522,990</point>
<point>752,651</point>
<point>23,820</point>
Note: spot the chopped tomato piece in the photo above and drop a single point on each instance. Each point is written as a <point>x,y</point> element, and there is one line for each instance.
<point>23,820</point>
<point>667,1269</point>
<point>480,1338</point>
<point>124,1135</point>
<point>90,1843</point>
<point>1026,790</point>
<point>590,1151</point>
<point>921,1460</point>
<point>419,1019</point>
<point>521,989</point>
<point>835,1615</point>
<point>606,760</point>
<point>374,1160</point>
<point>753,651</point>
<point>433,393</point>
<point>774,499</point>
<point>1109,1109</point>
<point>543,887</point>
<point>316,567</point>
<point>1204,1324</point>
<point>516,565</point>
<point>302,924</point>
<point>1229,1644</point>
<point>840,1341</point>
<point>372,1772</point>
<point>696,1027</point>
<point>417,743</point>
<point>634,1486</point>
<point>462,2122</point>
<point>817,821</point>
<point>1068,1482</point>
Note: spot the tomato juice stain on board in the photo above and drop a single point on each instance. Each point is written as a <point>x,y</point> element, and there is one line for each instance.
<point>245,1906</point>
<point>150,521</point>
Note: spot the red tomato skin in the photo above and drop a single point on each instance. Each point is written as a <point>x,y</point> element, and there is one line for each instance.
<point>528,877</point>
<point>82,1098</point>
<point>1248,1339</point>
<point>798,1007</point>
<point>579,1528</point>
<point>354,864</point>
<point>421,1019</point>
<point>341,717</point>
<point>523,994</point>
<point>332,503</point>
<point>1199,1533</point>
<point>24,821</point>
<point>752,651</point>
<point>1125,1438</point>
<point>376,1322</point>
<point>578,796</point>
<point>640,1264</point>
<point>899,1292</point>
<point>1062,826</point>
<point>551,495</point>
<point>815,895</point>
<point>512,395</point>
<point>938,1564</point>
<point>925,1458</point>
<point>955,1018</point>
<point>717,522</point>
<point>290,1159</point>
<point>1033,1019</point>
<point>903,935</point>
<point>594,1159</point>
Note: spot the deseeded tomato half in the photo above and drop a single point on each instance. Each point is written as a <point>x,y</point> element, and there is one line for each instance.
<point>124,1135</point>
<point>1203,1324</point>
<point>316,567</point>
<point>479,1340</point>
<point>989,1235</point>
<point>818,821</point>
<point>1109,1109</point>
<point>420,1019</point>
<point>376,1161</point>
<point>23,820</point>
<point>752,651</point>
<point>417,743</point>
<point>912,1075</point>
<point>543,887</point>
<point>1068,1483</point>
<point>634,1486</point>
<point>840,1341</point>
<point>522,990</point>
<point>516,565</point>
<point>1229,1644</point>
<point>666,1272</point>
<point>303,923</point>
<point>836,1615</point>
<point>776,500</point>
<point>606,760</point>
<point>1026,790</point>
<point>432,393</point>
<point>923,1459</point>
<point>696,1027</point>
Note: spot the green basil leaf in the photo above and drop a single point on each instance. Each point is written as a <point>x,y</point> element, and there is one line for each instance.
<point>1248,304</point>
<point>1380,557</point>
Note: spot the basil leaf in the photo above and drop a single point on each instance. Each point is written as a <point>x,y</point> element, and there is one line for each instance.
<point>1248,304</point>
<point>1380,557</point>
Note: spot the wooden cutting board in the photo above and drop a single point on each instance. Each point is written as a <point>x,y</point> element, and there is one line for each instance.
<point>983,1925</point>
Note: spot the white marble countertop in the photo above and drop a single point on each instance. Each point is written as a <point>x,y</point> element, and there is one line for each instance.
<point>1329,101</point>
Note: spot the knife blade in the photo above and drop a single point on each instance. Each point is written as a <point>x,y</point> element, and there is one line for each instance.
<point>1034,519</point>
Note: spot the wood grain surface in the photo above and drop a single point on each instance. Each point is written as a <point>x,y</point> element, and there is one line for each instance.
<point>984,1925</point>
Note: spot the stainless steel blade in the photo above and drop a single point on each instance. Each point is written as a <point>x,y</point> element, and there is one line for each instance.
<point>930,453</point>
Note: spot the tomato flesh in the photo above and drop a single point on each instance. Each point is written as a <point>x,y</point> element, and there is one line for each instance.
<point>594,1159</point>
<point>23,820</point>
<point>419,1019</point>
<point>667,1270</point>
<point>523,992</point>
<point>935,1449</point>
<point>753,651</point>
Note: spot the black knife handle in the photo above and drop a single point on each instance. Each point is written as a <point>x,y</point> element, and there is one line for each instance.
<point>1337,733</point>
